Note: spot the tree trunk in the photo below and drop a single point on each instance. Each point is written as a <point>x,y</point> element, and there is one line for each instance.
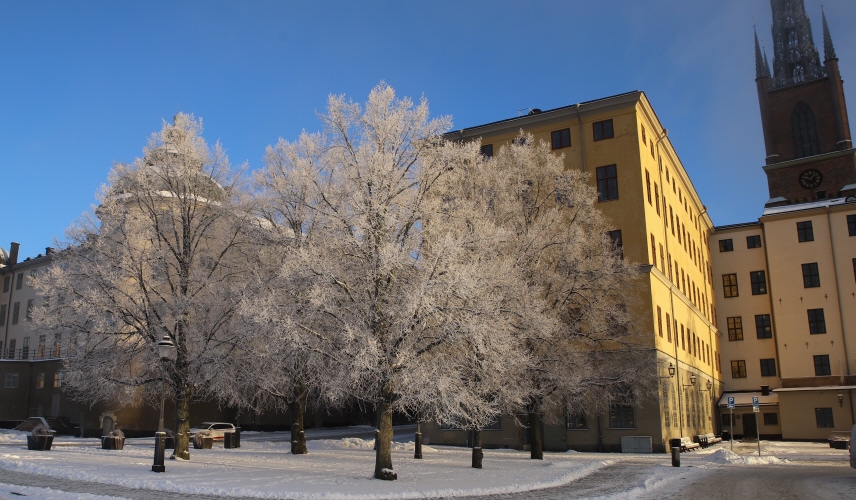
<point>478,454</point>
<point>536,441</point>
<point>383,455</point>
<point>297,408</point>
<point>182,423</point>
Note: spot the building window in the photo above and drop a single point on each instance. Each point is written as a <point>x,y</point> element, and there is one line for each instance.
<point>602,130</point>
<point>576,422</point>
<point>811,276</point>
<point>771,419</point>
<point>738,368</point>
<point>25,348</point>
<point>851,228</point>
<point>659,321</point>
<point>644,138</point>
<point>824,417</point>
<point>735,328</point>
<point>648,186</point>
<point>30,310</point>
<point>11,349</point>
<point>11,381</point>
<point>821,365</point>
<point>617,243</point>
<point>805,131</point>
<point>759,282</point>
<point>561,138</point>
<point>16,309</point>
<point>669,328</point>
<point>657,198</point>
<point>6,281</point>
<point>19,281</point>
<point>763,326</point>
<point>40,380</point>
<point>768,367</point>
<point>753,241</point>
<point>621,417</point>
<point>487,150</point>
<point>805,231</point>
<point>816,321</point>
<point>607,183</point>
<point>2,314</point>
<point>726,245</point>
<point>58,382</point>
<point>729,285</point>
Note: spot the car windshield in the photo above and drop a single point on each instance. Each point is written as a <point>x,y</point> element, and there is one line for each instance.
<point>203,425</point>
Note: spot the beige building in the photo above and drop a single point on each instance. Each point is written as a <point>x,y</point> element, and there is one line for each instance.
<point>787,302</point>
<point>660,221</point>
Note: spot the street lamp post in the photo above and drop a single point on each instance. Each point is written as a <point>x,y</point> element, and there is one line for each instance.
<point>166,351</point>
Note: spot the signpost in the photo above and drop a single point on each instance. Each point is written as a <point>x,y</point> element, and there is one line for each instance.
<point>731,419</point>
<point>755,410</point>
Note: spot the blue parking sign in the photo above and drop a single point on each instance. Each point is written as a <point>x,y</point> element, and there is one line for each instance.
<point>731,401</point>
<point>755,401</point>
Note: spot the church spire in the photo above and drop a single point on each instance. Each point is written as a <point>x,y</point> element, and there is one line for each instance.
<point>762,70</point>
<point>795,57</point>
<point>828,49</point>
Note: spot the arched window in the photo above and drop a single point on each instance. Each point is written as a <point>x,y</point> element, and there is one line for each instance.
<point>805,131</point>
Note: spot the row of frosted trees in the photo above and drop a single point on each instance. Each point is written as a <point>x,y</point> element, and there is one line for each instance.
<point>373,262</point>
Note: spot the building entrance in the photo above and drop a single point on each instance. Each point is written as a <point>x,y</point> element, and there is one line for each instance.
<point>750,429</point>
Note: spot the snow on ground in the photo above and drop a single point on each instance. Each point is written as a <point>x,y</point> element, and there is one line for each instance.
<point>11,491</point>
<point>342,468</point>
<point>11,436</point>
<point>333,469</point>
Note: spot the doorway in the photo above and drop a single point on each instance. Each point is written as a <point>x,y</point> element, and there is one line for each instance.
<point>750,427</point>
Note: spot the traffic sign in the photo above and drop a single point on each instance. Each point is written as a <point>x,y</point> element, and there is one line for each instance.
<point>731,401</point>
<point>755,402</point>
<point>755,409</point>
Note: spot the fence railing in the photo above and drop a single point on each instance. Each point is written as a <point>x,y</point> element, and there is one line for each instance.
<point>37,353</point>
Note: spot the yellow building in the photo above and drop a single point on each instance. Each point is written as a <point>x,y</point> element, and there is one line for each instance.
<point>660,221</point>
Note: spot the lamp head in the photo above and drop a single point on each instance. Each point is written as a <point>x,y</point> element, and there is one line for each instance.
<point>709,384</point>
<point>166,349</point>
<point>671,370</point>
<point>692,379</point>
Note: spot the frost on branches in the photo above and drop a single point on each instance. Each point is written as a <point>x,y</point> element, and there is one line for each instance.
<point>378,292</point>
<point>573,313</point>
<point>164,253</point>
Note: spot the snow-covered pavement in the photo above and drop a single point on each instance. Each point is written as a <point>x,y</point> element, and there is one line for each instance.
<point>341,468</point>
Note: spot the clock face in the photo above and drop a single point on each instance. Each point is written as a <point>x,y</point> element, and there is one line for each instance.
<point>811,178</point>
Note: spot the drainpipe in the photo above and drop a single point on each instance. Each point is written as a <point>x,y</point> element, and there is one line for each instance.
<point>13,260</point>
<point>582,137</point>
<point>840,309</point>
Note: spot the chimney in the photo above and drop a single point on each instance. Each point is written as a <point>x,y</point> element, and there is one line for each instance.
<point>13,253</point>
<point>765,390</point>
<point>49,250</point>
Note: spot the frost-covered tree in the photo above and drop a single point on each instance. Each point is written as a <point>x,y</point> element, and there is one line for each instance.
<point>164,252</point>
<point>392,299</point>
<point>574,308</point>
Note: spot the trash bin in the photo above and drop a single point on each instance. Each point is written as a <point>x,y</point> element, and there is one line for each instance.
<point>40,439</point>
<point>202,441</point>
<point>113,441</point>
<point>675,443</point>
<point>726,435</point>
<point>229,440</point>
<point>237,437</point>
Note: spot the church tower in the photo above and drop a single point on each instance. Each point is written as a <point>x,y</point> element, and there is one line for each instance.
<point>810,154</point>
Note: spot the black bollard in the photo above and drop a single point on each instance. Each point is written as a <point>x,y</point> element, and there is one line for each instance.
<point>160,442</point>
<point>478,456</point>
<point>676,456</point>
<point>418,450</point>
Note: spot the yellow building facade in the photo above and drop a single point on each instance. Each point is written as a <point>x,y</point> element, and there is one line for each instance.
<point>660,222</point>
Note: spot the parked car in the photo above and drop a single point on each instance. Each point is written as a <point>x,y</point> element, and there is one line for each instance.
<point>852,439</point>
<point>214,429</point>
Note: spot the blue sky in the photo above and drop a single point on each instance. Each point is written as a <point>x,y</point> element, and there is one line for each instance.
<point>84,84</point>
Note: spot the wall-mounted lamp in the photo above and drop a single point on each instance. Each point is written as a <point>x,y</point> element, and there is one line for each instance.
<point>841,400</point>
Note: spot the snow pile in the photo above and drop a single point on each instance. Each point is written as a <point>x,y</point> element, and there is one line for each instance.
<point>10,436</point>
<point>728,457</point>
<point>14,491</point>
<point>359,444</point>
